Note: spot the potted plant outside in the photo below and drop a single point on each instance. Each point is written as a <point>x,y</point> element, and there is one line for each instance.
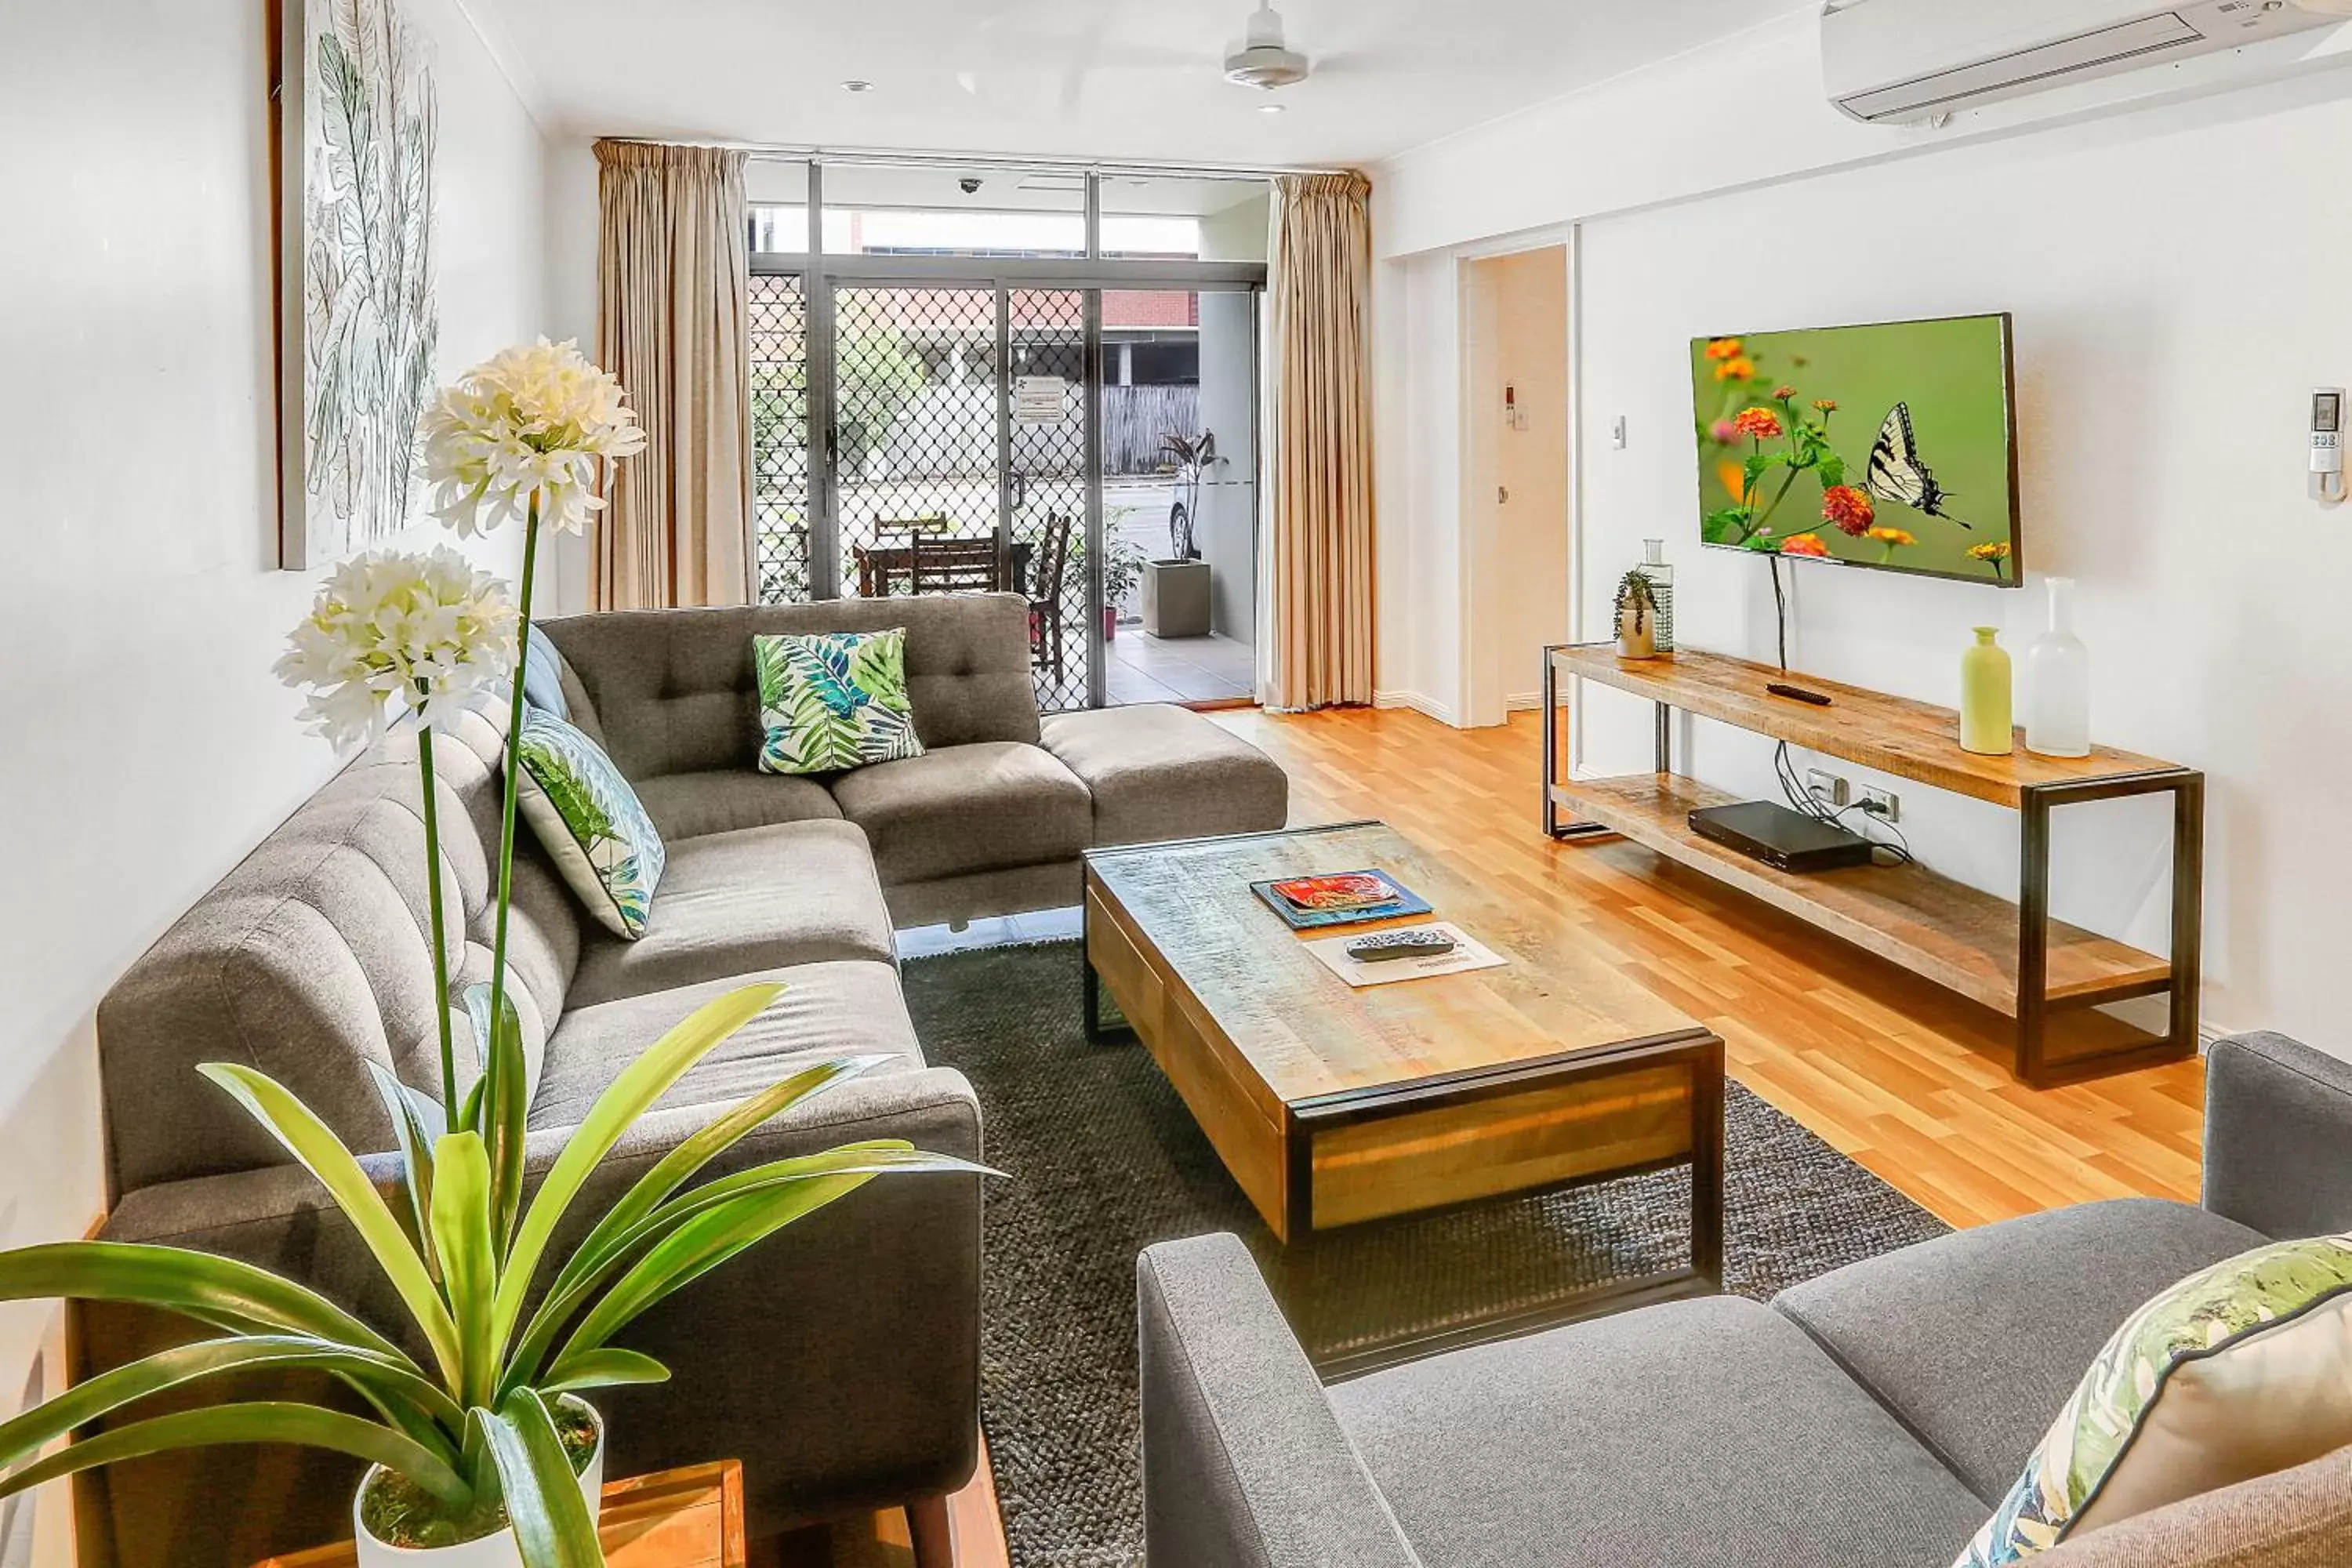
<point>1123,566</point>
<point>1176,591</point>
<point>1637,616</point>
<point>1123,563</point>
<point>483,1454</point>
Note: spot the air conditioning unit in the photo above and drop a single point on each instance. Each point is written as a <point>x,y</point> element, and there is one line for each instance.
<point>1894,60</point>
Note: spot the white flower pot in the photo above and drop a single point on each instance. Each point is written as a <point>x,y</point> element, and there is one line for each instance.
<point>499,1551</point>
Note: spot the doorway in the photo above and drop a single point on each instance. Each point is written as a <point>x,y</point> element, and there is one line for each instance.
<point>1517,512</point>
<point>1180,408</point>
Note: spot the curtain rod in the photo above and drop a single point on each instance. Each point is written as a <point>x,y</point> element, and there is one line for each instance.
<point>906,158</point>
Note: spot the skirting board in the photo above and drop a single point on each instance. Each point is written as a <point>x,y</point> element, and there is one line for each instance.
<point>1418,703</point>
<point>1523,702</point>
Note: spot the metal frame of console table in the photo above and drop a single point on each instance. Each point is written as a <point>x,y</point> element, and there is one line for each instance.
<point>2034,1002</point>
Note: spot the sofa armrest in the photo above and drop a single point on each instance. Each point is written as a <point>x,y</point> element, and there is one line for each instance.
<point>2300,1517</point>
<point>839,1361</point>
<point>1244,1465</point>
<point>2278,1136</point>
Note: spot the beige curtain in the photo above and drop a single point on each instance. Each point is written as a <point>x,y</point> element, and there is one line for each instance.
<point>674,325</point>
<point>1319,588</point>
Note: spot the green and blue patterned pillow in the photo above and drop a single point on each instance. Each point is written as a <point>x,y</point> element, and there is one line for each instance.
<point>2239,1371</point>
<point>589,821</point>
<point>834,701</point>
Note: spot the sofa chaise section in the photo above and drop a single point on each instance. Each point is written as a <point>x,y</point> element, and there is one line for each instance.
<point>990,820</point>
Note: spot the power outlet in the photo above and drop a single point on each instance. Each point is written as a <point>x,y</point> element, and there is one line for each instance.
<point>1883,804</point>
<point>1826,787</point>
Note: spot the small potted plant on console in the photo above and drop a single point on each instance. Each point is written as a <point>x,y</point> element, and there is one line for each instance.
<point>1637,616</point>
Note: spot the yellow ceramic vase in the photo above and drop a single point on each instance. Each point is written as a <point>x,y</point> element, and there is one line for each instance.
<point>1987,726</point>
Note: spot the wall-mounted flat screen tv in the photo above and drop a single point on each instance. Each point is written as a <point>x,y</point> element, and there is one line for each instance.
<point>1891,447</point>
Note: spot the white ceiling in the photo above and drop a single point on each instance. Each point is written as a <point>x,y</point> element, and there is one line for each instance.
<point>1137,79</point>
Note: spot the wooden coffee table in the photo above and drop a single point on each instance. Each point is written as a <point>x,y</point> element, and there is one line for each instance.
<point>1332,1106</point>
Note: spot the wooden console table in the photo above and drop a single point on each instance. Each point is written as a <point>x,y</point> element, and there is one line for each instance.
<point>2011,957</point>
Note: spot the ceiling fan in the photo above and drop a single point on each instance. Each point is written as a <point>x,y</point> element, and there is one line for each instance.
<point>1261,59</point>
<point>1047,57</point>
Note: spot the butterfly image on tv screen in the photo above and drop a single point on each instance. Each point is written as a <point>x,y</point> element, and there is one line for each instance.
<point>1896,474</point>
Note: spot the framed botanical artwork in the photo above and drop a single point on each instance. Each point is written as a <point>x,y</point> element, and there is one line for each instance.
<point>356,136</point>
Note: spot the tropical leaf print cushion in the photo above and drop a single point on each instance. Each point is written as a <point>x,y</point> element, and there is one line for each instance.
<point>2239,1371</point>
<point>589,819</point>
<point>833,701</point>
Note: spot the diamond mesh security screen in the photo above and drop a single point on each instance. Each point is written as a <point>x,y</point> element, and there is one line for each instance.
<point>923,398</point>
<point>780,456</point>
<point>915,392</point>
<point>1051,417</point>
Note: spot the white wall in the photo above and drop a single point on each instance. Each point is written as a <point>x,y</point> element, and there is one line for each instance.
<point>144,745</point>
<point>2176,268</point>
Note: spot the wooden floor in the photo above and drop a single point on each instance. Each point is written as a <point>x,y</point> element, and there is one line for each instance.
<point>1901,1075</point>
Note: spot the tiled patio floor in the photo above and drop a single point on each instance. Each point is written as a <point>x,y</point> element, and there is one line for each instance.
<point>1144,669</point>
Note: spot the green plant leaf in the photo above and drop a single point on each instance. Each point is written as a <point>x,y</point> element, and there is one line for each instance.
<point>542,1494</point>
<point>1832,471</point>
<point>308,1140</point>
<point>609,1368</point>
<point>264,1421</point>
<point>461,1230</point>
<point>85,1402</point>
<point>722,1134</point>
<point>701,1243</point>
<point>417,1123</point>
<point>630,1094</point>
<point>218,1292</point>
<point>504,1108</point>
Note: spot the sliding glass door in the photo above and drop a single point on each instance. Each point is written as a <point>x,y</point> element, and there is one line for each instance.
<point>1025,399</point>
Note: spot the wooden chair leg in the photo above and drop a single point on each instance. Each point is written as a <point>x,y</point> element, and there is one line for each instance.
<point>934,1540</point>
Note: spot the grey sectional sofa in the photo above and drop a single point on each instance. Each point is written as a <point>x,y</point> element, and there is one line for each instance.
<point>840,1361</point>
<point>1870,1418</point>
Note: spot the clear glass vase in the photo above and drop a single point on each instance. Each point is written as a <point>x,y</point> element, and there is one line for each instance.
<point>2058,682</point>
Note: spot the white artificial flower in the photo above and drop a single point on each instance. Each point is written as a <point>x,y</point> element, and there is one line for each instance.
<point>532,421</point>
<point>428,629</point>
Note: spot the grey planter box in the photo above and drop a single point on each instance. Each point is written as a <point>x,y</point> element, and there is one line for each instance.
<point>1176,598</point>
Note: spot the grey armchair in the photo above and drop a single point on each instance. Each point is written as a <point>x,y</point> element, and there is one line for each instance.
<point>1870,1417</point>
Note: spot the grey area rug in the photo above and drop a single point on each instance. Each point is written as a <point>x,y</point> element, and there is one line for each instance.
<point>1103,1160</point>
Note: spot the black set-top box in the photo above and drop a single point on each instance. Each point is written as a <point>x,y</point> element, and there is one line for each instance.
<point>1783,839</point>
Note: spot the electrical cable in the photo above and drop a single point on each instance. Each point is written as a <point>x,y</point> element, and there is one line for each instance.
<point>1779,611</point>
<point>1805,803</point>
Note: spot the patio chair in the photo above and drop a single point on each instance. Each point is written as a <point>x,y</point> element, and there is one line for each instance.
<point>1045,603</point>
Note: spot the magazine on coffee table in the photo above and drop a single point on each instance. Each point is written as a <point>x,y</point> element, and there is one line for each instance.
<point>1340,898</point>
<point>1467,955</point>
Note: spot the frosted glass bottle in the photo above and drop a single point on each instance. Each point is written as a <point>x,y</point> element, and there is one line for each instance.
<point>2058,682</point>
<point>1662,589</point>
<point>1986,727</point>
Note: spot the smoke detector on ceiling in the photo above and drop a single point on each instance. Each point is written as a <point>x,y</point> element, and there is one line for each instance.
<point>1261,59</point>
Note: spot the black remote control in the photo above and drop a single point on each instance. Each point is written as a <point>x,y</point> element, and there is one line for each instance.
<point>1798,693</point>
<point>1393,945</point>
